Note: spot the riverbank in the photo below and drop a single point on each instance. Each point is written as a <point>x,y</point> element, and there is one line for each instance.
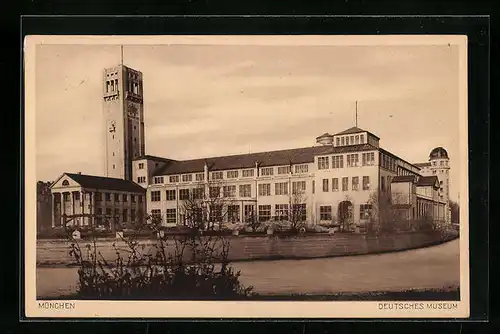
<point>423,269</point>
<point>52,253</point>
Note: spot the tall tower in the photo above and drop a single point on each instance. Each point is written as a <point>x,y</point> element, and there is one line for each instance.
<point>124,113</point>
<point>440,166</point>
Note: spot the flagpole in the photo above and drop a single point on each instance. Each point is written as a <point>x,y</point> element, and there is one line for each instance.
<point>121,54</point>
<point>356,113</point>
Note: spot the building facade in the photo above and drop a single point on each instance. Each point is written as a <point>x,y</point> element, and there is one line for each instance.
<point>336,181</point>
<point>79,200</point>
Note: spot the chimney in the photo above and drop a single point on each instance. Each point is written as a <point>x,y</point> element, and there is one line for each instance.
<point>79,173</point>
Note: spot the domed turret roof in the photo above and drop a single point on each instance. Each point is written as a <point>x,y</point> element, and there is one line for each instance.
<point>438,153</point>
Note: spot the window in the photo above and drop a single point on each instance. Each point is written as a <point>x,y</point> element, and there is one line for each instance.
<point>170,195</point>
<point>158,180</point>
<point>200,177</point>
<point>366,183</point>
<point>125,215</point>
<point>76,195</point>
<point>325,185</point>
<point>247,172</point>
<point>66,197</point>
<point>98,197</point>
<point>352,160</point>
<point>107,196</point>
<point>441,163</point>
<point>301,169</point>
<point>249,212</point>
<point>264,213</point>
<point>335,184</point>
<point>356,139</point>
<point>155,196</point>
<point>198,193</point>
<point>132,197</point>
<point>117,197</point>
<point>281,212</point>
<point>187,177</point>
<point>140,198</point>
<point>345,184</point>
<point>382,183</point>
<point>325,212</point>
<point>171,216</point>
<point>299,212</point>
<point>141,165</point>
<point>365,211</point>
<point>361,139</point>
<point>313,186</point>
<point>352,140</point>
<point>265,189</point>
<point>281,188</point>
<point>229,191</point>
<point>434,172</point>
<point>132,215</point>
<point>434,163</point>
<point>338,161</point>
<point>284,170</point>
<point>267,171</point>
<point>215,213</point>
<point>217,175</point>
<point>347,140</point>
<point>183,194</point>
<point>117,214</point>
<point>323,163</point>
<point>173,179</point>
<point>338,141</point>
<point>298,187</point>
<point>108,212</point>
<point>343,141</point>
<point>233,213</point>
<point>124,198</point>
<point>355,183</point>
<point>232,174</point>
<point>214,192</point>
<point>368,159</point>
<point>141,179</point>
<point>245,190</point>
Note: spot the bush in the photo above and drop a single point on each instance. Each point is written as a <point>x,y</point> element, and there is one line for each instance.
<point>196,268</point>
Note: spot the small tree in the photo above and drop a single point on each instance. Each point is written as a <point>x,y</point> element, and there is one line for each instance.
<point>455,212</point>
<point>345,213</point>
<point>206,207</point>
<point>297,213</point>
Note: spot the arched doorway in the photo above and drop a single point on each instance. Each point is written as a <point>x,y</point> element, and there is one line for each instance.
<point>345,215</point>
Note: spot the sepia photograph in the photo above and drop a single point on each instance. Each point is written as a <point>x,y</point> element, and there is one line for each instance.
<point>246,176</point>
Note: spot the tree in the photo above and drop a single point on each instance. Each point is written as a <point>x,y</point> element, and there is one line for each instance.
<point>44,205</point>
<point>297,214</point>
<point>455,212</point>
<point>208,205</point>
<point>387,211</point>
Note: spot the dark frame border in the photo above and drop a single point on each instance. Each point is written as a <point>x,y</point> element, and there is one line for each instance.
<point>476,28</point>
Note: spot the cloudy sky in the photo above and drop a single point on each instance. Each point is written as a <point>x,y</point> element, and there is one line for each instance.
<point>208,100</point>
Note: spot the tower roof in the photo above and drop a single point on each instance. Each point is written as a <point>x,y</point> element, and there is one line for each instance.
<point>438,153</point>
<point>353,130</point>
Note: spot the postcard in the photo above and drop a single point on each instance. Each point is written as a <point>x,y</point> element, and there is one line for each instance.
<point>246,177</point>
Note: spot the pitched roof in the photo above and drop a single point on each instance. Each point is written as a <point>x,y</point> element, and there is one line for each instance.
<point>354,129</point>
<point>422,164</point>
<point>403,178</point>
<point>427,180</point>
<point>326,134</point>
<point>272,158</point>
<point>152,157</point>
<point>105,183</point>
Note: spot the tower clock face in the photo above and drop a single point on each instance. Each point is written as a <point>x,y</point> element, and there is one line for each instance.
<point>133,111</point>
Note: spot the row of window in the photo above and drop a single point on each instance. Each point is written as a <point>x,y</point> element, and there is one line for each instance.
<point>388,162</point>
<point>325,211</point>
<point>219,175</point>
<point>107,197</point>
<point>345,184</point>
<point>350,140</point>
<point>125,215</point>
<point>232,213</point>
<point>352,160</point>
<point>441,163</point>
<point>245,190</point>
